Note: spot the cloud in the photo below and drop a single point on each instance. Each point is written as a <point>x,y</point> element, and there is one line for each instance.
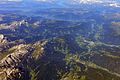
<point>11,0</point>
<point>114,3</point>
<point>15,0</point>
<point>45,0</point>
<point>79,1</point>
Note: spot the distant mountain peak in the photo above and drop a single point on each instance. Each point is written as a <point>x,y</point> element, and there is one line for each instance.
<point>68,3</point>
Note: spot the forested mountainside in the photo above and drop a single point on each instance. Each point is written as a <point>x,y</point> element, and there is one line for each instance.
<point>62,43</point>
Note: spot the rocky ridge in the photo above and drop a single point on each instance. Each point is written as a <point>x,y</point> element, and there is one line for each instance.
<point>13,65</point>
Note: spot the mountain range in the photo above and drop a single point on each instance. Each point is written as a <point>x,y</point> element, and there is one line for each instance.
<point>66,3</point>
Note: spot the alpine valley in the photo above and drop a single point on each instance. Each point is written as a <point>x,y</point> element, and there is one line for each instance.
<point>59,40</point>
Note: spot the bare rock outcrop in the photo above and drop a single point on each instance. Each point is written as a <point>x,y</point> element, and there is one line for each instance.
<point>3,39</point>
<point>5,44</point>
<point>11,67</point>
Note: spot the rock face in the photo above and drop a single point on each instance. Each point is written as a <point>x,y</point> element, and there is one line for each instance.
<point>14,59</point>
<point>2,39</point>
<point>13,65</point>
<point>5,44</point>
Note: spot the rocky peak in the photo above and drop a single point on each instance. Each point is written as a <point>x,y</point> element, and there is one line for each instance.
<point>12,66</point>
<point>2,39</point>
<point>13,63</point>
